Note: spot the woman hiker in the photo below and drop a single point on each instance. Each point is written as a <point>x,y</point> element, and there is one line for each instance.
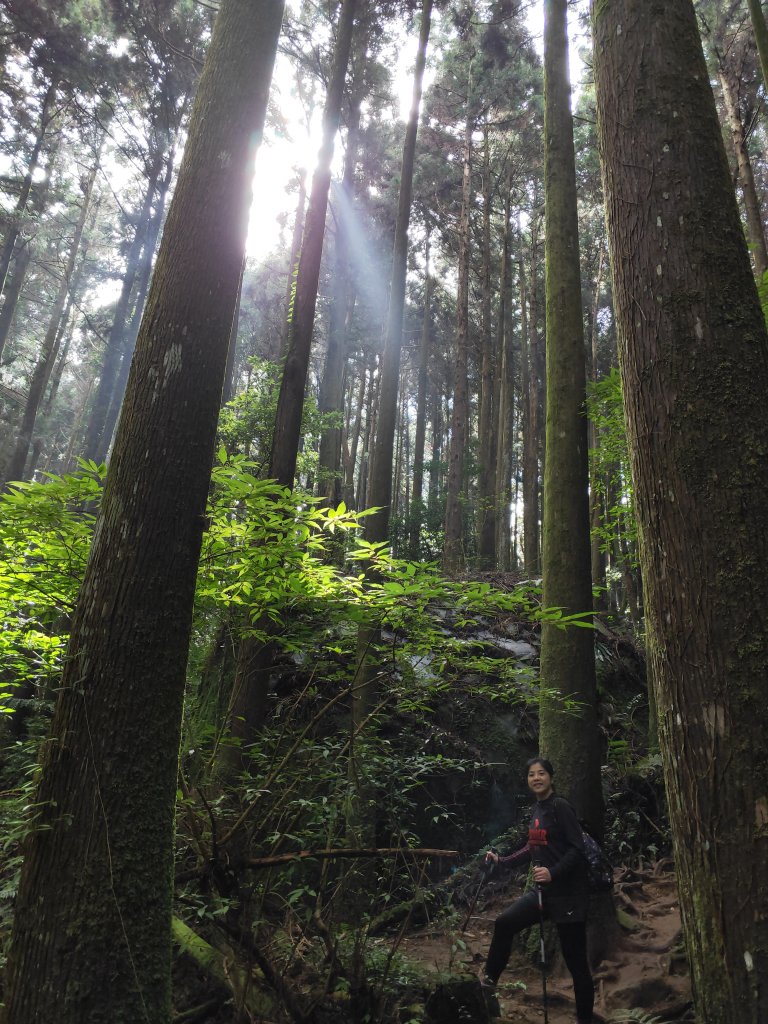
<point>556,849</point>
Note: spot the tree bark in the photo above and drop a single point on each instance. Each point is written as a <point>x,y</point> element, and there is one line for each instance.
<point>417,493</point>
<point>761,36</point>
<point>569,739</point>
<point>490,364</point>
<point>530,399</point>
<point>694,359</point>
<point>92,934</point>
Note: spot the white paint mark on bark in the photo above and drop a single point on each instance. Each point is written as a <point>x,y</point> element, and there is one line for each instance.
<point>618,30</point>
<point>750,964</point>
<point>678,717</point>
<point>699,329</point>
<point>172,359</point>
<point>761,811</point>
<point>658,270</point>
<point>665,148</point>
<point>658,222</point>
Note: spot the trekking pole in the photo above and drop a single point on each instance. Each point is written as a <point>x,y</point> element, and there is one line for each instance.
<point>540,895</point>
<point>484,874</point>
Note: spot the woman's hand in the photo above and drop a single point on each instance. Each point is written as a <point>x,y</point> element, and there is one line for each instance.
<point>491,857</point>
<point>541,876</point>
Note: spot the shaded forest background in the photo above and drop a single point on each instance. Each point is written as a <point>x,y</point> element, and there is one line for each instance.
<point>377,642</point>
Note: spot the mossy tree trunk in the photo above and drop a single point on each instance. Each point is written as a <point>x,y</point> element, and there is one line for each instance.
<point>92,930</point>
<point>694,358</point>
<point>567,655</point>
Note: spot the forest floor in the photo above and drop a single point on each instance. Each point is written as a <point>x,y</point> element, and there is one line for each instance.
<point>644,972</point>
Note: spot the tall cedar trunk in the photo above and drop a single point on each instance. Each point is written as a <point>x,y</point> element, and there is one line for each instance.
<point>293,263</point>
<point>453,550</point>
<point>290,403</point>
<point>15,224</point>
<point>349,472</point>
<point>595,495</point>
<point>380,493</point>
<point>417,503</point>
<point>530,389</point>
<point>504,394</point>
<point>489,365</point>
<point>755,229</point>
<point>331,397</point>
<point>47,356</point>
<point>92,930</point>
<point>694,359</point>
<point>114,345</point>
<point>567,655</point>
<point>435,469</point>
<point>761,35</point>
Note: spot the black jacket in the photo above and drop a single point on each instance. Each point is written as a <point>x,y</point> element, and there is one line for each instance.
<point>555,841</point>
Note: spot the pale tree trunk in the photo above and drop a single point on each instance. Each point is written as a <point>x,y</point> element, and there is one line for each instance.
<point>694,359</point>
<point>351,458</point>
<point>569,739</point>
<point>331,397</point>
<point>290,403</point>
<point>92,928</point>
<point>417,494</point>
<point>489,366</point>
<point>755,228</point>
<point>47,356</point>
<point>595,497</point>
<point>16,220</point>
<point>293,264</point>
<point>380,494</point>
<point>504,395</point>
<point>453,550</point>
<point>114,345</point>
<point>530,399</point>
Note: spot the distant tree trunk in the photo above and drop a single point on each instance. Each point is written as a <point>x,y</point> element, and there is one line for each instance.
<point>761,36</point>
<point>755,229</point>
<point>331,397</point>
<point>530,389</point>
<point>694,360</point>
<point>453,550</point>
<point>380,495</point>
<point>290,404</point>
<point>504,396</point>
<point>417,494</point>
<point>349,476</point>
<point>94,901</point>
<point>368,435</point>
<point>435,474</point>
<point>114,345</point>
<point>293,263</point>
<point>595,494</point>
<point>14,227</point>
<point>141,284</point>
<point>47,356</point>
<point>490,364</point>
<point>567,663</point>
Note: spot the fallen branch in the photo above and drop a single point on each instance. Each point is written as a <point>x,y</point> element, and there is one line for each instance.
<point>288,858</point>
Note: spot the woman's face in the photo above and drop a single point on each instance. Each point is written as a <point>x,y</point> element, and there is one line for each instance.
<point>539,781</point>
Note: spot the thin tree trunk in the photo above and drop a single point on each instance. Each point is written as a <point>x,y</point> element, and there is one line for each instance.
<point>349,480</point>
<point>453,551</point>
<point>531,549</point>
<point>14,227</point>
<point>567,662</point>
<point>380,495</point>
<point>694,358</point>
<point>293,265</point>
<point>46,359</point>
<point>595,495</point>
<point>417,503</point>
<point>755,228</point>
<point>92,929</point>
<point>490,364</point>
<point>290,404</point>
<point>761,36</point>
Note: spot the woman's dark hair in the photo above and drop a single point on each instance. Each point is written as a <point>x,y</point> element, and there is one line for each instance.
<point>545,764</point>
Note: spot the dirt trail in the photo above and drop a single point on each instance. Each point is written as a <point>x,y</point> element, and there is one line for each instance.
<point>645,972</point>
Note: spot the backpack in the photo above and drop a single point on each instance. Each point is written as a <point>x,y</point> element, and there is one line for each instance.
<point>599,868</point>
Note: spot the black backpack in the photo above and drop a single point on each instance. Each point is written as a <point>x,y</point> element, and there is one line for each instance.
<point>599,868</point>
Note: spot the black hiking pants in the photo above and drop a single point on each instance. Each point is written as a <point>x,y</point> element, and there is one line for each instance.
<point>573,942</point>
